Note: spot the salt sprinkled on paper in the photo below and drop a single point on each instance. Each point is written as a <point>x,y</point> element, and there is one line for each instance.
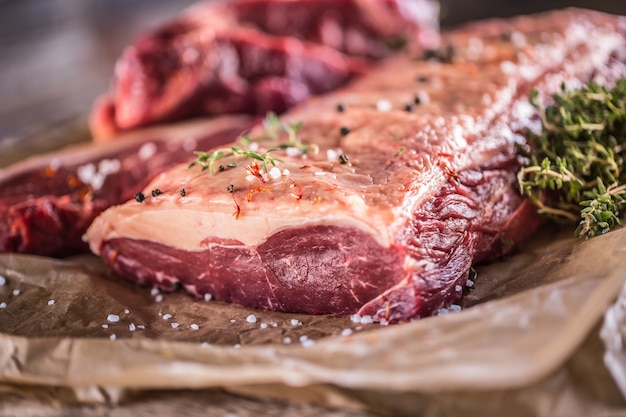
<point>113,318</point>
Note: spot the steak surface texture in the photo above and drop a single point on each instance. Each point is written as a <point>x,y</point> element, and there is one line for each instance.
<point>252,56</point>
<point>387,193</point>
<point>48,201</point>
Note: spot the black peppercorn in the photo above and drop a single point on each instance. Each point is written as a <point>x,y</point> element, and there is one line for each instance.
<point>156,192</point>
<point>140,197</point>
<point>343,159</point>
<point>344,130</point>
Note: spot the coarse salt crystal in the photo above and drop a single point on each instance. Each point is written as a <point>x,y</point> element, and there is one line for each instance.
<point>287,340</point>
<point>263,326</point>
<point>295,322</point>
<point>441,312</point>
<point>458,288</point>
<point>293,151</point>
<point>251,318</point>
<point>3,305</point>
<point>3,280</point>
<point>158,298</point>
<point>141,326</point>
<point>254,146</point>
<point>356,318</point>
<point>274,324</point>
<point>383,105</point>
<point>275,172</point>
<point>346,332</point>
<point>113,318</point>
<point>175,325</point>
<point>207,297</point>
<point>113,337</point>
<point>16,292</point>
<point>205,345</point>
<point>131,327</point>
<point>320,173</point>
<point>367,320</point>
<point>332,155</point>
<point>455,307</point>
<point>303,338</point>
<point>194,326</point>
<point>286,172</point>
<point>233,320</point>
<point>147,151</point>
<point>105,326</point>
<point>308,343</point>
<point>250,178</point>
<point>167,316</point>
<point>236,346</point>
<point>154,291</point>
<point>126,311</point>
<point>50,302</point>
<point>470,283</point>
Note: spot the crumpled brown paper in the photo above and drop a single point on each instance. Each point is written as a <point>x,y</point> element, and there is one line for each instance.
<point>526,317</point>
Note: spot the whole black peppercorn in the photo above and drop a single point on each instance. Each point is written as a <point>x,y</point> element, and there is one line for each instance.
<point>156,192</point>
<point>343,159</point>
<point>409,107</point>
<point>140,197</point>
<point>340,107</point>
<point>230,188</point>
<point>344,130</point>
<point>183,192</point>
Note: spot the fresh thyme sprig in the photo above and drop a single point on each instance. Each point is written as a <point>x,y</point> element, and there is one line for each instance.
<point>575,169</point>
<point>206,159</point>
<point>273,127</point>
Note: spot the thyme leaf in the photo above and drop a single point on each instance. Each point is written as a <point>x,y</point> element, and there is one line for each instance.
<point>575,170</point>
<point>273,127</point>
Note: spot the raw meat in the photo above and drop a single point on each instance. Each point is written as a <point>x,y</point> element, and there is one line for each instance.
<point>47,202</point>
<point>253,56</point>
<point>408,179</point>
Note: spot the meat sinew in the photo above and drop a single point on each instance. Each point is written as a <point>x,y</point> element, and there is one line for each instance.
<point>387,193</point>
<point>47,202</point>
<point>246,56</point>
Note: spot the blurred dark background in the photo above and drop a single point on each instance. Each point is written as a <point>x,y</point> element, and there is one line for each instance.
<point>56,56</point>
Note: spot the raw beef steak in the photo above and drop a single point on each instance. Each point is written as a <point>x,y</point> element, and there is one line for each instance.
<point>383,194</point>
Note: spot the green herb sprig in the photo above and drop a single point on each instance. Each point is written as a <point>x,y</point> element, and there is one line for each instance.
<point>272,126</point>
<point>575,169</point>
<point>207,159</point>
